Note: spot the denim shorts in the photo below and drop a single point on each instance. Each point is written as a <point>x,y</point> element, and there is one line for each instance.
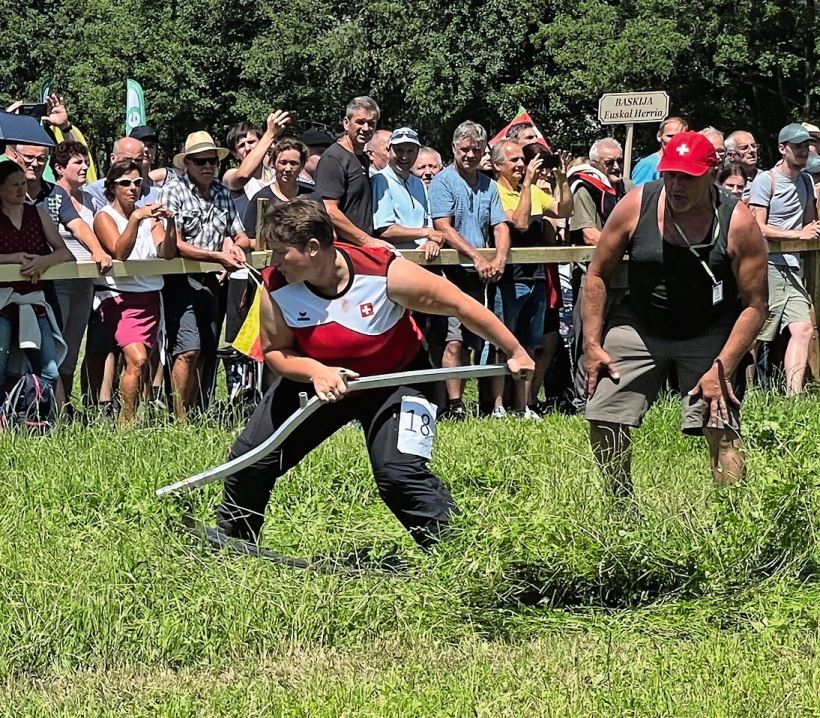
<point>521,306</point>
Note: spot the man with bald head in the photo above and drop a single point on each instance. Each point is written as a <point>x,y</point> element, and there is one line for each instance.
<point>715,136</point>
<point>428,165</point>
<point>127,149</point>
<point>378,151</point>
<point>741,147</point>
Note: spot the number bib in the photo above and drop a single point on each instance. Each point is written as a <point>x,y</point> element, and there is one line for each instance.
<point>417,426</point>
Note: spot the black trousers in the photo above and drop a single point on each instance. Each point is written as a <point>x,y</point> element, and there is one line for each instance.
<point>419,499</point>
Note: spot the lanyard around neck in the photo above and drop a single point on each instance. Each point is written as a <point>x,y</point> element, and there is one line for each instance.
<point>693,247</point>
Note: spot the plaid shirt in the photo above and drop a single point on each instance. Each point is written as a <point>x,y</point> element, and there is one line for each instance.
<point>203,223</point>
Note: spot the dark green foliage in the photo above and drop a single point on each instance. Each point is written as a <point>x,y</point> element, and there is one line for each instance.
<point>431,63</point>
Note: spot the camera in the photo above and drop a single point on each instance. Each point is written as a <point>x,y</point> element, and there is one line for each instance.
<point>549,161</point>
<point>37,110</point>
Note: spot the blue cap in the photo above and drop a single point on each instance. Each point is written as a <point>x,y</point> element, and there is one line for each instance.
<point>794,133</point>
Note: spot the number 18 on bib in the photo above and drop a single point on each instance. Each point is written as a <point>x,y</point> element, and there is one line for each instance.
<point>417,426</point>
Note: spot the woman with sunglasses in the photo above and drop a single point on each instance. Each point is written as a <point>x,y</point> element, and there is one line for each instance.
<point>130,306</point>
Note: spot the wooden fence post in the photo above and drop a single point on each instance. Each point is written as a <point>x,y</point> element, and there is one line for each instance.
<point>811,268</point>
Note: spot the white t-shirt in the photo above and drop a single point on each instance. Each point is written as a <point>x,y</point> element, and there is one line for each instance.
<point>86,212</point>
<point>144,248</point>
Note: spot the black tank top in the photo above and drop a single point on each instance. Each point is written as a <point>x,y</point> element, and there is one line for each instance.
<point>670,289</point>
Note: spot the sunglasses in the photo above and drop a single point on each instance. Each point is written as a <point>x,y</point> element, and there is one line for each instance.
<point>611,163</point>
<point>202,161</point>
<point>127,182</point>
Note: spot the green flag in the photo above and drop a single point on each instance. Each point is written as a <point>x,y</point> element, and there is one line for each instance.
<point>134,106</point>
<point>45,88</point>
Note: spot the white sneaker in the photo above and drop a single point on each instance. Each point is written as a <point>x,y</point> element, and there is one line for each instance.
<point>528,414</point>
<point>499,412</point>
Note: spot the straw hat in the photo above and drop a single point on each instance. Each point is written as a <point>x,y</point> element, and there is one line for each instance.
<point>198,142</point>
<point>813,130</point>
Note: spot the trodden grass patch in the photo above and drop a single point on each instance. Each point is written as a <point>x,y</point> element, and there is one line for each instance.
<point>548,597</point>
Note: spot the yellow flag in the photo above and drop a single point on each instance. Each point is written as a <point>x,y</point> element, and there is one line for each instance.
<point>249,337</point>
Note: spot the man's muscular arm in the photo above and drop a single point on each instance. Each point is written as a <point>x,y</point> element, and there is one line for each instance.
<point>747,248</point>
<point>608,255</point>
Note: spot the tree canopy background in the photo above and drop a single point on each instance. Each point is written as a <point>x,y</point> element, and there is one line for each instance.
<point>429,63</point>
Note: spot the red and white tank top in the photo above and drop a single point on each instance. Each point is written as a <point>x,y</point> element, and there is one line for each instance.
<point>360,328</point>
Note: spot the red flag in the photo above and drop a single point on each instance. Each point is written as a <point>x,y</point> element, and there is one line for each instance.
<point>522,117</point>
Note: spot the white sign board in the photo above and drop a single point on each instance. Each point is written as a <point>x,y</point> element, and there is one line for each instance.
<point>628,108</point>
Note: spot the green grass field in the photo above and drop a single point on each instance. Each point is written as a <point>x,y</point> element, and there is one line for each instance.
<point>549,599</point>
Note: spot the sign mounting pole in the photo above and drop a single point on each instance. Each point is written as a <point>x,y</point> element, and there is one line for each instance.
<point>630,132</point>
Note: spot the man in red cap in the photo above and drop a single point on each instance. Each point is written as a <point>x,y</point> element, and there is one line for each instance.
<point>696,301</point>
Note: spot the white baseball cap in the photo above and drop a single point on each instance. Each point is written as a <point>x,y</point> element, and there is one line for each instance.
<point>404,135</point>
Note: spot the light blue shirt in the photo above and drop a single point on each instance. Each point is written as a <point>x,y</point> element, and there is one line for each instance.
<point>150,195</point>
<point>472,210</point>
<point>646,170</point>
<point>399,201</point>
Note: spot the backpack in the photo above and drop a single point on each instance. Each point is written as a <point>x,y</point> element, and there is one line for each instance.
<point>30,406</point>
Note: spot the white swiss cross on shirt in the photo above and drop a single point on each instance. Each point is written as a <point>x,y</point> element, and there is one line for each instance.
<point>366,309</point>
<point>683,150</point>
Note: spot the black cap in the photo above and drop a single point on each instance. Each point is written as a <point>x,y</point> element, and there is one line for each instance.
<point>143,132</point>
<point>316,138</point>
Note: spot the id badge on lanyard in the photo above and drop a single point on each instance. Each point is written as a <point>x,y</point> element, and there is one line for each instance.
<point>717,293</point>
<point>717,285</point>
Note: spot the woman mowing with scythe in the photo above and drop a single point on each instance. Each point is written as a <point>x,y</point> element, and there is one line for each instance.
<point>332,312</point>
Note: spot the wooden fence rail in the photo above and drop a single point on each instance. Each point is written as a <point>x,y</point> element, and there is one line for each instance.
<point>530,255</point>
<point>521,255</point>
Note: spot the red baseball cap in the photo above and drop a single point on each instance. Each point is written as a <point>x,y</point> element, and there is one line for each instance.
<point>690,153</point>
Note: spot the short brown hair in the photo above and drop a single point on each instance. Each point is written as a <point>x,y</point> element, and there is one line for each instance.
<point>296,222</point>
<point>290,144</point>
<point>64,152</point>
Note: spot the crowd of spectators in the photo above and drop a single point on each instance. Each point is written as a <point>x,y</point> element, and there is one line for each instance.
<point>159,337</point>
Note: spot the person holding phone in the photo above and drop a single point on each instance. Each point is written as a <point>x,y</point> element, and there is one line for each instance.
<point>52,113</point>
<point>526,291</point>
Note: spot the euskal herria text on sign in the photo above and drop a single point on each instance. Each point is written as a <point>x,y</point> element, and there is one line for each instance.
<point>627,108</point>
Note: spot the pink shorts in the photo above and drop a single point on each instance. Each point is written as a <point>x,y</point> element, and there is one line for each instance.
<point>132,317</point>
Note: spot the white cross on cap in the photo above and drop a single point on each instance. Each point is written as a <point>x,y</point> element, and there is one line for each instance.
<point>683,150</point>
